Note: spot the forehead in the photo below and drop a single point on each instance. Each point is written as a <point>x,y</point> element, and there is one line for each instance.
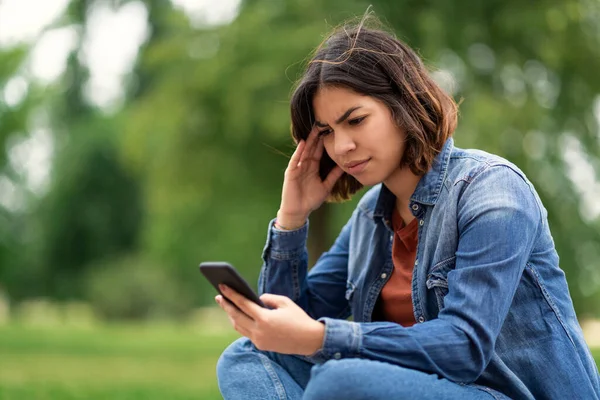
<point>331,101</point>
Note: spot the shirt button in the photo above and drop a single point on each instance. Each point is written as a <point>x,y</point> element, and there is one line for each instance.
<point>383,276</point>
<point>337,356</point>
<point>421,319</point>
<point>415,207</point>
<point>421,222</point>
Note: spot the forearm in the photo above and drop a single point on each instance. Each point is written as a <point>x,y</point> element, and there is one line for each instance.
<point>436,346</point>
<point>284,272</point>
<point>285,260</point>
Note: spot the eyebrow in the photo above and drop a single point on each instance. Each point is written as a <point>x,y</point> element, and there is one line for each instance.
<point>340,119</point>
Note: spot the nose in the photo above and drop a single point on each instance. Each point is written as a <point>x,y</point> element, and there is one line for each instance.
<point>344,142</point>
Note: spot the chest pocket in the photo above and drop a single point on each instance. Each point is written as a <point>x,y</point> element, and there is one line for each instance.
<point>437,280</point>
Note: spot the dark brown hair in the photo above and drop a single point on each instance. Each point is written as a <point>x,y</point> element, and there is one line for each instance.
<point>375,63</point>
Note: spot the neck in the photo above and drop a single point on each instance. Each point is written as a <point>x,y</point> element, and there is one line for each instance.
<point>402,183</point>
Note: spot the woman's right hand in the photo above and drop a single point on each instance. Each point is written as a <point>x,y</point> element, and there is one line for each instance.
<point>303,190</point>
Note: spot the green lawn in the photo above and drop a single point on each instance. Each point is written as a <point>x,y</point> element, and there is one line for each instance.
<point>111,362</point>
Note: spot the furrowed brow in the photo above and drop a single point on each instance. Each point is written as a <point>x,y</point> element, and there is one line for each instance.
<point>340,119</point>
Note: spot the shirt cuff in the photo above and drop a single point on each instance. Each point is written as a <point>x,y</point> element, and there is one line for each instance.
<point>342,340</point>
<point>285,245</point>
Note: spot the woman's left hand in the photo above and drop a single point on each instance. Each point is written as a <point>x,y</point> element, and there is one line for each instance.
<point>285,328</point>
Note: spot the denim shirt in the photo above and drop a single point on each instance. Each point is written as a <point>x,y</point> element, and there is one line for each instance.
<point>492,305</point>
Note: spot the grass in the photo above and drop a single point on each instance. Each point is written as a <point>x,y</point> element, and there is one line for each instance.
<point>112,362</point>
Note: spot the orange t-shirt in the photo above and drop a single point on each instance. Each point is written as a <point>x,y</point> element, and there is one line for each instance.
<point>395,300</point>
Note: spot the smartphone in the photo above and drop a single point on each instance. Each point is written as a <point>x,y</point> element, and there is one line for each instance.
<point>218,272</point>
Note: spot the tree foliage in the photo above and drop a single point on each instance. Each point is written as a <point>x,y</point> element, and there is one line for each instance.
<point>190,168</point>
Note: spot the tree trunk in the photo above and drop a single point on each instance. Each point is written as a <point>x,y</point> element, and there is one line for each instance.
<point>318,238</point>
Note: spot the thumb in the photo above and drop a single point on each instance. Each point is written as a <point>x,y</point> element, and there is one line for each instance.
<point>274,301</point>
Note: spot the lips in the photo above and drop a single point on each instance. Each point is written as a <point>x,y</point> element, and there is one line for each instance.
<point>356,166</point>
<point>351,164</point>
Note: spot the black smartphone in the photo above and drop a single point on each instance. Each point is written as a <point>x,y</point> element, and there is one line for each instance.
<point>218,272</point>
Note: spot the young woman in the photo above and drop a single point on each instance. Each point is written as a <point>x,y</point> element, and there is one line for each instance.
<point>447,265</point>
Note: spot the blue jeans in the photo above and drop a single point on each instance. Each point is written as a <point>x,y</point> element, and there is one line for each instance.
<point>244,372</point>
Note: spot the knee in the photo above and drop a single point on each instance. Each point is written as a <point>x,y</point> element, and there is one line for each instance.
<point>232,357</point>
<point>354,379</point>
<point>336,379</point>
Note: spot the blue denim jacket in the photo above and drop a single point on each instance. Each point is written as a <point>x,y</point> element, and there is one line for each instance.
<point>492,305</point>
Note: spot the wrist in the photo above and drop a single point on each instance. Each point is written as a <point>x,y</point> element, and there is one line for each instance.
<point>315,338</point>
<point>289,223</point>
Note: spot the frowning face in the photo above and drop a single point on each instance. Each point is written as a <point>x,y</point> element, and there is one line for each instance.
<point>359,134</point>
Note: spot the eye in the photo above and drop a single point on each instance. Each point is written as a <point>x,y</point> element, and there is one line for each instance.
<point>324,132</point>
<point>356,121</point>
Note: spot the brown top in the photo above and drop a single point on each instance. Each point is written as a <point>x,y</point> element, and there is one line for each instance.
<point>395,301</point>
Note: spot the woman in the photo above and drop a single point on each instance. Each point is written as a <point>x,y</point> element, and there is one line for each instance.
<point>447,265</point>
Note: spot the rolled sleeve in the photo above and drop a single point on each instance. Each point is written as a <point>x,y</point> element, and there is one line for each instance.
<point>342,340</point>
<point>285,245</point>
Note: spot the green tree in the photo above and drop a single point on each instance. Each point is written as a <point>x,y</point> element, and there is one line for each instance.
<point>191,168</point>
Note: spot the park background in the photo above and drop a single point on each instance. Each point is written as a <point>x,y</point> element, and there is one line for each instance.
<point>139,138</point>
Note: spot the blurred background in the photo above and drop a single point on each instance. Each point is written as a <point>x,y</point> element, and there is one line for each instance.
<point>139,138</point>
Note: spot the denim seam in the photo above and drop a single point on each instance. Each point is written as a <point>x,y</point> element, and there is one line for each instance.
<point>416,299</point>
<point>488,391</point>
<point>550,301</point>
<point>472,174</point>
<point>357,334</point>
<point>280,389</point>
<point>299,231</point>
<point>441,264</point>
<point>266,277</point>
<point>286,255</point>
<point>295,280</point>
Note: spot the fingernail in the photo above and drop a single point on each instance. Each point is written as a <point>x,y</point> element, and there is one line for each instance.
<point>222,287</point>
<point>218,299</point>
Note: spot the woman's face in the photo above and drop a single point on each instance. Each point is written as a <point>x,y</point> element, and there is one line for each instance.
<point>359,134</point>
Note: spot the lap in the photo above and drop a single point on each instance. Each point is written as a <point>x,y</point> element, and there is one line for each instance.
<point>355,378</point>
<point>368,379</point>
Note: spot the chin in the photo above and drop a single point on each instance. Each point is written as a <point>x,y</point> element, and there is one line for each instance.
<point>367,180</point>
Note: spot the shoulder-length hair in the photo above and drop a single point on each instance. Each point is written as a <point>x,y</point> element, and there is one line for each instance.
<point>375,63</point>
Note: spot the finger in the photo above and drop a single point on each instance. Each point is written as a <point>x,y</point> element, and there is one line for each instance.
<point>274,301</point>
<point>236,316</point>
<point>248,307</point>
<point>313,137</point>
<point>295,159</point>
<point>319,150</point>
<point>333,176</point>
<point>241,330</point>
